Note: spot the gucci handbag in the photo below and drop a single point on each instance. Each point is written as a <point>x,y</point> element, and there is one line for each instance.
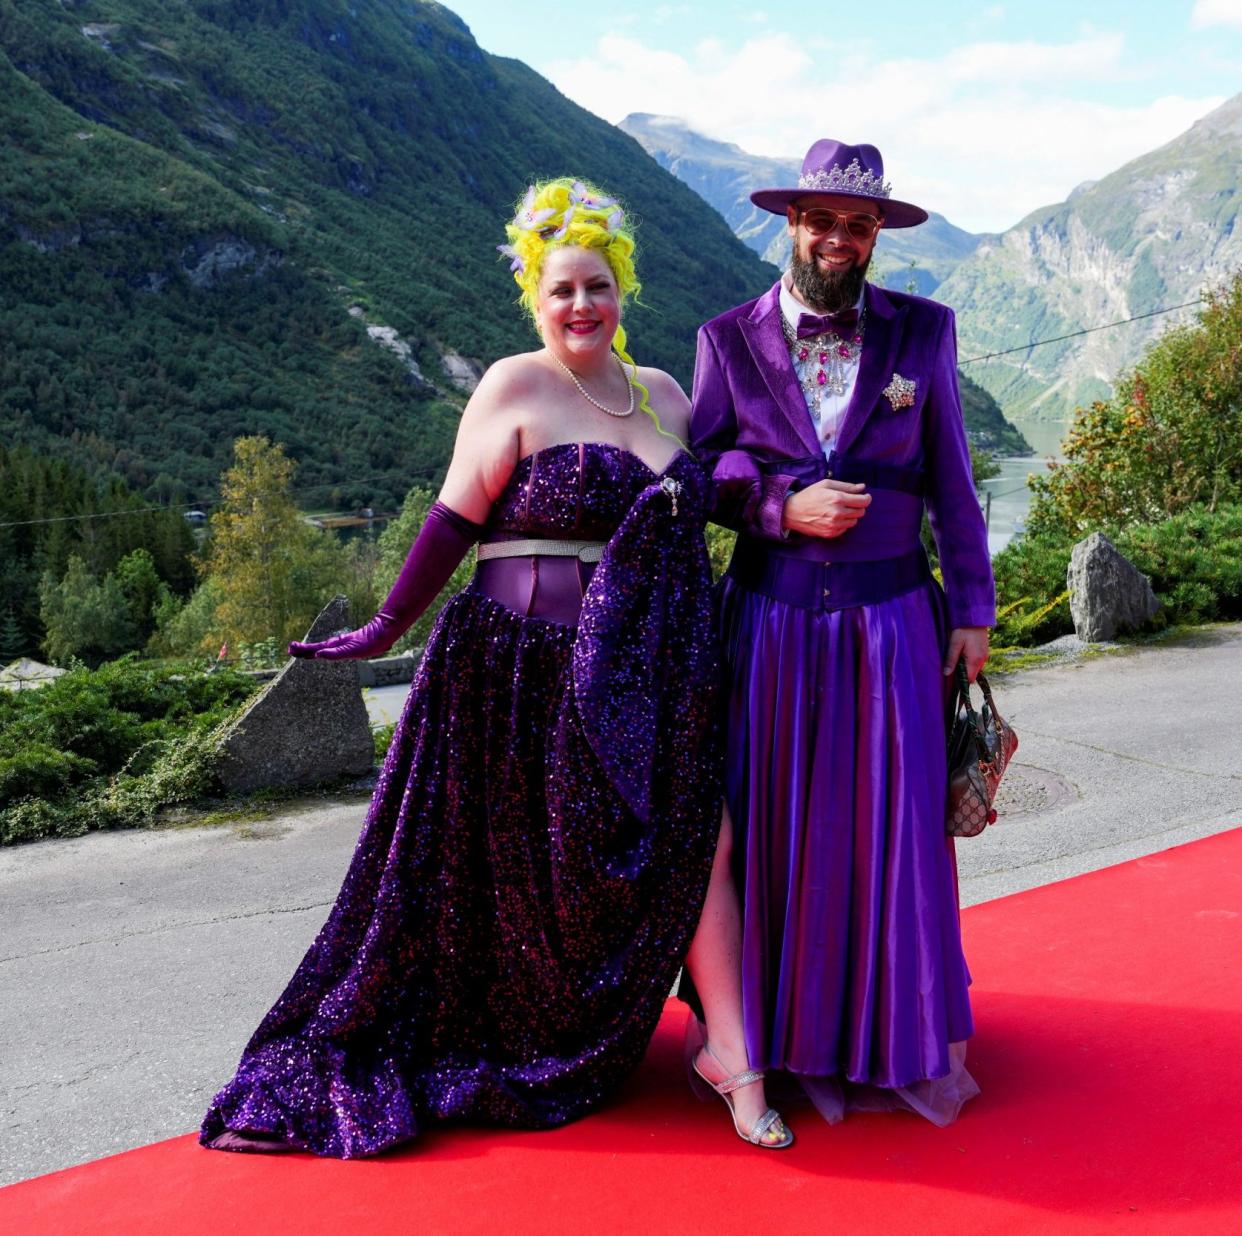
<point>980,747</point>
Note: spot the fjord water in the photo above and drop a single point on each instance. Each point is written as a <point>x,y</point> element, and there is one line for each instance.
<point>1011,497</point>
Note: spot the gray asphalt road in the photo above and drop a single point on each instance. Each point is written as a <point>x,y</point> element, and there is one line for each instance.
<point>133,966</point>
<point>384,704</point>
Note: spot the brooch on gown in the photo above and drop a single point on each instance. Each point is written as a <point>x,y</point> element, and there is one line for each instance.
<point>671,486</point>
<point>900,392</point>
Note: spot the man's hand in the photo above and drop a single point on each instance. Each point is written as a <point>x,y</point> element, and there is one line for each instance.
<point>825,509</point>
<point>968,642</point>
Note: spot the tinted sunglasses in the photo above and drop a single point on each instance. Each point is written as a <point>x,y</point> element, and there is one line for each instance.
<point>819,221</point>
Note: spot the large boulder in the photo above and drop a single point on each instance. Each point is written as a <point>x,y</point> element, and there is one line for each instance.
<point>308,726</point>
<point>25,674</point>
<point>1108,593</point>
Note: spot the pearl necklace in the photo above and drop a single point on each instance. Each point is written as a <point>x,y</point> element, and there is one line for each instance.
<point>582,390</point>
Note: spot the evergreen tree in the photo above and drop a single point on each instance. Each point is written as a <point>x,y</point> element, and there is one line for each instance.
<point>50,511</point>
<point>12,638</point>
<point>144,591</point>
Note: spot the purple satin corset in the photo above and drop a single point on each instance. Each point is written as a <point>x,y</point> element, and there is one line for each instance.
<point>576,491</point>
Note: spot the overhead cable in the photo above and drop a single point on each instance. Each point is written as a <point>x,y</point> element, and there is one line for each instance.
<point>1087,330</point>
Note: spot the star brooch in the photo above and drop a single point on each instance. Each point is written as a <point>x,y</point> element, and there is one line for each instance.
<point>900,392</point>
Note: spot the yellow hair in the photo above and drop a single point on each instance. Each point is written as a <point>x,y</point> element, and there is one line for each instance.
<point>556,213</point>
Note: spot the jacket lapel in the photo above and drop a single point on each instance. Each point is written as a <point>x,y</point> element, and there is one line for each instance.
<point>881,340</point>
<point>762,331</point>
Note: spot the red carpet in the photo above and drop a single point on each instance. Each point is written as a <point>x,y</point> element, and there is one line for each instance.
<point>1109,1049</point>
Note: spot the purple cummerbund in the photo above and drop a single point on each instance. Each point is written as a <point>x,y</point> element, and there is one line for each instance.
<point>879,558</point>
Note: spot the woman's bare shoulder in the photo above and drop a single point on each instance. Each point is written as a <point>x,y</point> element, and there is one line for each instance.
<point>510,387</point>
<point>491,434</point>
<point>511,377</point>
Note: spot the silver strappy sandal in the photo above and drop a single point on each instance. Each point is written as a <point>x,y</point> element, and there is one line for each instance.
<point>769,1122</point>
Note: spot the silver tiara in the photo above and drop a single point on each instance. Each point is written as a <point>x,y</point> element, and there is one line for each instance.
<point>850,179</point>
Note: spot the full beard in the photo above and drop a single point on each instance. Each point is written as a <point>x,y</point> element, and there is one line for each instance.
<point>830,291</point>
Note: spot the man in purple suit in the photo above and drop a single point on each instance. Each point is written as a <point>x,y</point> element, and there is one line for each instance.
<point>829,411</point>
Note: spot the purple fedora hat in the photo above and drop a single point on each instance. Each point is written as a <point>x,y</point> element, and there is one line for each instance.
<point>852,171</point>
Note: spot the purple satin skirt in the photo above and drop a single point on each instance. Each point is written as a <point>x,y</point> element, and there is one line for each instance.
<point>853,977</point>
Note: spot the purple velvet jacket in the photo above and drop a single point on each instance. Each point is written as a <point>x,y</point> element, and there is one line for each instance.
<point>751,425</point>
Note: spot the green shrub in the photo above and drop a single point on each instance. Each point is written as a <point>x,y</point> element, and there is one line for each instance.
<point>37,771</point>
<point>1194,560</point>
<point>181,770</point>
<point>1033,606</point>
<point>32,819</point>
<point>108,748</point>
<point>1168,440</point>
<point>382,734</point>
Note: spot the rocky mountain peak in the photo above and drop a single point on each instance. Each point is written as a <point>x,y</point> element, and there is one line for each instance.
<point>1152,234</point>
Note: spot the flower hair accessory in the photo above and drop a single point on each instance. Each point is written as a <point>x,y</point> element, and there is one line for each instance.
<point>580,195</point>
<point>566,219</point>
<point>527,217</point>
<point>516,264</point>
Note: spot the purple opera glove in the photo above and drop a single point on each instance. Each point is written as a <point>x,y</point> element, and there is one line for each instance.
<point>441,544</point>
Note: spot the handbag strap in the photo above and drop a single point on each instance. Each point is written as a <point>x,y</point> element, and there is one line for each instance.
<point>982,679</point>
<point>973,718</point>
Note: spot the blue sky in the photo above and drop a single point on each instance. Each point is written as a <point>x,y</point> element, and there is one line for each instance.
<point>983,112</point>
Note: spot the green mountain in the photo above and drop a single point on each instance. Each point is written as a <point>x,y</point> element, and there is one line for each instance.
<point>1154,233</point>
<point>911,259</point>
<point>986,425</point>
<point>914,259</point>
<point>225,217</point>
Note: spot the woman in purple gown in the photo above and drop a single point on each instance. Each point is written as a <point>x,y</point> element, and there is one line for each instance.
<point>540,843</point>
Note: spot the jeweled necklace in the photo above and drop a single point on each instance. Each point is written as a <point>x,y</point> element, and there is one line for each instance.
<point>582,390</point>
<point>823,362</point>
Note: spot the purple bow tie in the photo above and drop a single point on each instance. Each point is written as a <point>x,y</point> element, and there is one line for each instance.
<point>842,323</point>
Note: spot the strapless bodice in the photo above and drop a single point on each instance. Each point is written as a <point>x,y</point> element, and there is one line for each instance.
<point>579,490</point>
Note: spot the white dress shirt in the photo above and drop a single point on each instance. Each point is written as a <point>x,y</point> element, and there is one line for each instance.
<point>831,407</point>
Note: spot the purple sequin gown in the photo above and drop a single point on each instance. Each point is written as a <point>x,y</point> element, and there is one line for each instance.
<point>536,854</point>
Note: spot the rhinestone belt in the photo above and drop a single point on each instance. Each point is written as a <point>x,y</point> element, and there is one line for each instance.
<point>584,551</point>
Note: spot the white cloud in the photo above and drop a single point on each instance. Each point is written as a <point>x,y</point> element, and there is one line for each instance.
<point>975,134</point>
<point>1216,13</point>
<point>1031,62</point>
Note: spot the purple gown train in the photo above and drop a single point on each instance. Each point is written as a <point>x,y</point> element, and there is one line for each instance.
<point>537,850</point>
